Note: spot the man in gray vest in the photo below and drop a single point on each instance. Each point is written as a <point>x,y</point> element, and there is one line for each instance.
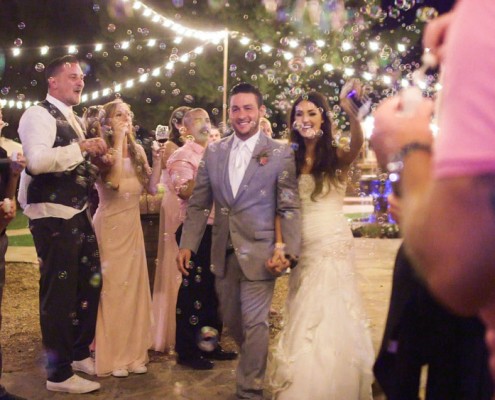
<point>55,185</point>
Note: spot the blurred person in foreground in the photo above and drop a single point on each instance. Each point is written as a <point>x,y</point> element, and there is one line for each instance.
<point>54,194</point>
<point>421,332</point>
<point>10,170</point>
<point>448,190</point>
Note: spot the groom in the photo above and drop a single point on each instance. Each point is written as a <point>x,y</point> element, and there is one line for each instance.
<point>249,178</point>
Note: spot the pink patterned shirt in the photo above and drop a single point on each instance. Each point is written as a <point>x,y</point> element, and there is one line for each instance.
<point>182,166</point>
<point>465,145</point>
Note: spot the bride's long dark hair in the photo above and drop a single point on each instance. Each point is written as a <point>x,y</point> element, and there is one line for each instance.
<point>326,163</point>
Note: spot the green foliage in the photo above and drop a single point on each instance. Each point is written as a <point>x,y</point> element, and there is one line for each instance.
<point>199,81</point>
<point>19,222</point>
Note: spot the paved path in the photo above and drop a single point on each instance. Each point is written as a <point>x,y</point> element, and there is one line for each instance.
<point>166,380</point>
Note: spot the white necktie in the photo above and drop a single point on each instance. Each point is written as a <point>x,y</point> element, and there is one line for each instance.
<point>241,161</point>
<point>75,125</point>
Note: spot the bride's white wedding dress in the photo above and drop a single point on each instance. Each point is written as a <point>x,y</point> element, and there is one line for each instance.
<point>324,351</point>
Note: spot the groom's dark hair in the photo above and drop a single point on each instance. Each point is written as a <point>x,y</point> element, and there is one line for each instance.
<point>245,87</point>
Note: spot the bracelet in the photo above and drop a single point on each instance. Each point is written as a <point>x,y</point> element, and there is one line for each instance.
<point>396,165</point>
<point>279,246</point>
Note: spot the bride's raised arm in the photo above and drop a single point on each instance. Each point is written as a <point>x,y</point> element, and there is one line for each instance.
<point>352,89</point>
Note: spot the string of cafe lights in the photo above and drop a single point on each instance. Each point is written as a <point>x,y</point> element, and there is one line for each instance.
<point>213,37</point>
<point>374,45</point>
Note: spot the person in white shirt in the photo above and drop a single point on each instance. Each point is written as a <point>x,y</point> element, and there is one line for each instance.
<point>54,193</point>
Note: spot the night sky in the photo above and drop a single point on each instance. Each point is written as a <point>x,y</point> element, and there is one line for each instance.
<point>30,24</point>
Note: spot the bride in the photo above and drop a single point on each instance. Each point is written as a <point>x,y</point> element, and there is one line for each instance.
<point>324,351</point>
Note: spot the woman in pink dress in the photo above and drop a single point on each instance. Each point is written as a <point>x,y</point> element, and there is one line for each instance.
<point>123,326</point>
<point>167,278</point>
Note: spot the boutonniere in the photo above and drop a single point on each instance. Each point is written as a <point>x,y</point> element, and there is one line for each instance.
<point>262,157</point>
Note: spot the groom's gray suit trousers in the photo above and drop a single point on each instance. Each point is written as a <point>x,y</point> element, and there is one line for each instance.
<point>245,306</point>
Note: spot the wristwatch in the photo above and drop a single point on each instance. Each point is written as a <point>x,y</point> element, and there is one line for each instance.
<point>396,165</point>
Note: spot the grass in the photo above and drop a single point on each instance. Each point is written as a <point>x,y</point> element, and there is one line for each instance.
<point>19,222</point>
<point>21,240</point>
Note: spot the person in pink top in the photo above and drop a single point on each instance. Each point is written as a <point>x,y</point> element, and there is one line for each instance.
<point>167,278</point>
<point>198,325</point>
<point>448,189</point>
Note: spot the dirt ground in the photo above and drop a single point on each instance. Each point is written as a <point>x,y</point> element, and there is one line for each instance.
<point>20,332</point>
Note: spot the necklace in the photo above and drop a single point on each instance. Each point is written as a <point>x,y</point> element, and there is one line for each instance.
<point>309,160</point>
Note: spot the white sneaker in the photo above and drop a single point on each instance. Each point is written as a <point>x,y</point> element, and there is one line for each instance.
<point>87,366</point>
<point>142,369</point>
<point>120,373</point>
<point>75,384</point>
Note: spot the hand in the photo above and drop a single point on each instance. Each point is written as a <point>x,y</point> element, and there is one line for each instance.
<point>166,151</point>
<point>487,314</point>
<point>94,147</point>
<point>183,261</point>
<point>394,129</point>
<point>104,162</point>
<point>17,165</point>
<point>435,34</point>
<point>6,217</point>
<point>156,156</point>
<point>345,102</point>
<point>121,128</point>
<point>277,264</point>
<point>394,207</point>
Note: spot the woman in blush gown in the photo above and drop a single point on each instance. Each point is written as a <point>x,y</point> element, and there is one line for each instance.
<point>167,277</point>
<point>324,351</point>
<point>123,326</point>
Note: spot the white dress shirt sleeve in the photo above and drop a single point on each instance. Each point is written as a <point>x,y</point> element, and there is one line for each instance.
<point>37,131</point>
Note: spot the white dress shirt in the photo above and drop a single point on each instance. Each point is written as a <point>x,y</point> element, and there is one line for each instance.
<point>240,155</point>
<point>37,131</point>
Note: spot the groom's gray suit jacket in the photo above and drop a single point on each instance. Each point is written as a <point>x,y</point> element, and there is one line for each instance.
<point>269,187</point>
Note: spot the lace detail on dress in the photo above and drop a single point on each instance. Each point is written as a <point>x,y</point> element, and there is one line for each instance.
<point>324,351</point>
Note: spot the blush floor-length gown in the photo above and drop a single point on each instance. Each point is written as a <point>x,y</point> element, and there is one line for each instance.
<point>123,326</point>
<point>167,277</point>
<point>324,351</point>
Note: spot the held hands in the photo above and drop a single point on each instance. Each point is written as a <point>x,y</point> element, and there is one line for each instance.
<point>183,261</point>
<point>94,147</point>
<point>277,264</point>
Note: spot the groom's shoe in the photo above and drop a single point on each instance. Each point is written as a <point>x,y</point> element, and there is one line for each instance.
<point>199,363</point>
<point>220,354</point>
